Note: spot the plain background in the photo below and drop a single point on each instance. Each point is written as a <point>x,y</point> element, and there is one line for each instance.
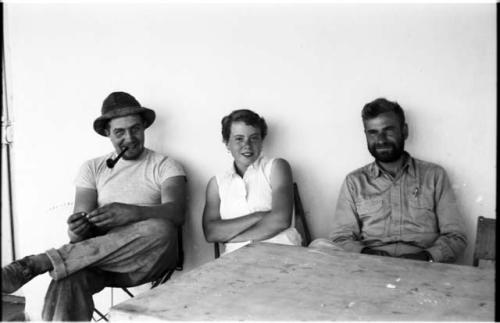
<point>308,69</point>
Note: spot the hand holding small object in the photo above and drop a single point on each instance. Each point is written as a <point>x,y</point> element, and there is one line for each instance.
<point>78,226</point>
<point>113,215</point>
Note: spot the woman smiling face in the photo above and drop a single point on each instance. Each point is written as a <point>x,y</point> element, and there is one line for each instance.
<point>245,144</point>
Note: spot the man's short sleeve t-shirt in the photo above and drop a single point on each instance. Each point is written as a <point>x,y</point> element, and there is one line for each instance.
<point>130,181</point>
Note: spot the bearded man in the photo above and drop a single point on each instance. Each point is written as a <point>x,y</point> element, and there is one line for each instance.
<point>397,206</point>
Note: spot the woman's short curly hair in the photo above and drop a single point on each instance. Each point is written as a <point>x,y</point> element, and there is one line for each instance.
<point>249,117</point>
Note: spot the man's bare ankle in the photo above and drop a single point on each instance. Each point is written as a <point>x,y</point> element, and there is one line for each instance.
<point>42,263</point>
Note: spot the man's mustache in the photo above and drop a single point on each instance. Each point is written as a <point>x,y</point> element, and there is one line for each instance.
<point>383,146</point>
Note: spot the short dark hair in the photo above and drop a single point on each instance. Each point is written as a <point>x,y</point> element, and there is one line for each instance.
<point>249,117</point>
<point>382,105</point>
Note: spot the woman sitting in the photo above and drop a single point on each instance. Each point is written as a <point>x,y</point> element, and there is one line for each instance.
<point>253,200</point>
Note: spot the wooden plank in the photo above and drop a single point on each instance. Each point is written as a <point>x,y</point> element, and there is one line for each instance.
<point>276,282</point>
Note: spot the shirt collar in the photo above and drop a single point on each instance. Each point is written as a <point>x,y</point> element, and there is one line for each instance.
<point>251,167</point>
<point>408,165</point>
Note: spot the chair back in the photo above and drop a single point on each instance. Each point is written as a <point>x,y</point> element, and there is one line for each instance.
<point>300,217</point>
<point>180,261</point>
<point>485,248</point>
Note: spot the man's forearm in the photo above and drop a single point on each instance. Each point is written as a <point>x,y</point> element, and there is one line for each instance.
<point>452,239</point>
<point>169,211</point>
<point>346,232</point>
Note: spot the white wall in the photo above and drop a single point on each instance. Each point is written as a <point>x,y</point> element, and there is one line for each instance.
<point>308,69</point>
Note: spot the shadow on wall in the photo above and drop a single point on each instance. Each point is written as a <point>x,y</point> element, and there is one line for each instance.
<point>197,250</point>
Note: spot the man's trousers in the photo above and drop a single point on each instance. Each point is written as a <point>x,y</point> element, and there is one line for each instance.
<point>125,256</point>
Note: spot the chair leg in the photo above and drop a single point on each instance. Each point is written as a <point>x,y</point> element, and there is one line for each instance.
<point>127,291</point>
<point>164,278</point>
<point>216,250</point>
<point>103,317</point>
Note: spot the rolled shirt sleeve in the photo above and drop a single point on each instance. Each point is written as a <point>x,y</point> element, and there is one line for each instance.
<point>411,212</point>
<point>452,239</point>
<point>346,228</point>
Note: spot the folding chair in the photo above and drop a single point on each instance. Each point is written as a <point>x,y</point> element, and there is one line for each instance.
<point>485,248</point>
<point>300,221</point>
<point>163,278</point>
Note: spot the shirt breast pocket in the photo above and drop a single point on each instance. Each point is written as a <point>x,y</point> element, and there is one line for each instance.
<point>372,216</point>
<point>421,212</point>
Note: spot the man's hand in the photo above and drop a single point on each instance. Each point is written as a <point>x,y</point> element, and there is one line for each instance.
<point>370,251</point>
<point>422,255</point>
<point>113,215</point>
<point>78,226</point>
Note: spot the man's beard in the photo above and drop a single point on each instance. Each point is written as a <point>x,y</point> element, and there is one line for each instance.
<point>388,156</point>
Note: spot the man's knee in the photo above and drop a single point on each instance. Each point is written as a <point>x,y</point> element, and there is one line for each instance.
<point>161,235</point>
<point>157,230</point>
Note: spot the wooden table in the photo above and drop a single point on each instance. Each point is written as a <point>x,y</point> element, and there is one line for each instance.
<point>276,282</point>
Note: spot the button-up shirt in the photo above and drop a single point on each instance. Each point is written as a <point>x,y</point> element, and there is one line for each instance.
<point>251,193</point>
<point>244,195</point>
<point>415,210</point>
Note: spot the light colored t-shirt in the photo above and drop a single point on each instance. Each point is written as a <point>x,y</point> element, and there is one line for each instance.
<point>130,181</point>
<point>252,193</point>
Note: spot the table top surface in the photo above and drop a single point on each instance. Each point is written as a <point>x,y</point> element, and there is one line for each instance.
<point>276,282</point>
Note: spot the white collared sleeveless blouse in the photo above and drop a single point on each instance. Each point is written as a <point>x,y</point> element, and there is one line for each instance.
<point>252,193</point>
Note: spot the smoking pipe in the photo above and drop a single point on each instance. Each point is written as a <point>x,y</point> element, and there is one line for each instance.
<point>111,162</point>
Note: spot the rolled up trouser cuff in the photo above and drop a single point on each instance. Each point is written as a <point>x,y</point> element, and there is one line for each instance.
<point>59,269</point>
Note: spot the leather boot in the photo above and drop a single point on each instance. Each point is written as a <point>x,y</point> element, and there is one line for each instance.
<point>18,273</point>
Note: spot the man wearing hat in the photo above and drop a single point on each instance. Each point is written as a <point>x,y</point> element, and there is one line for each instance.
<point>123,231</point>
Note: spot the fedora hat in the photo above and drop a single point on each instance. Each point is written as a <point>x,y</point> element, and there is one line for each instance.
<point>121,104</point>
